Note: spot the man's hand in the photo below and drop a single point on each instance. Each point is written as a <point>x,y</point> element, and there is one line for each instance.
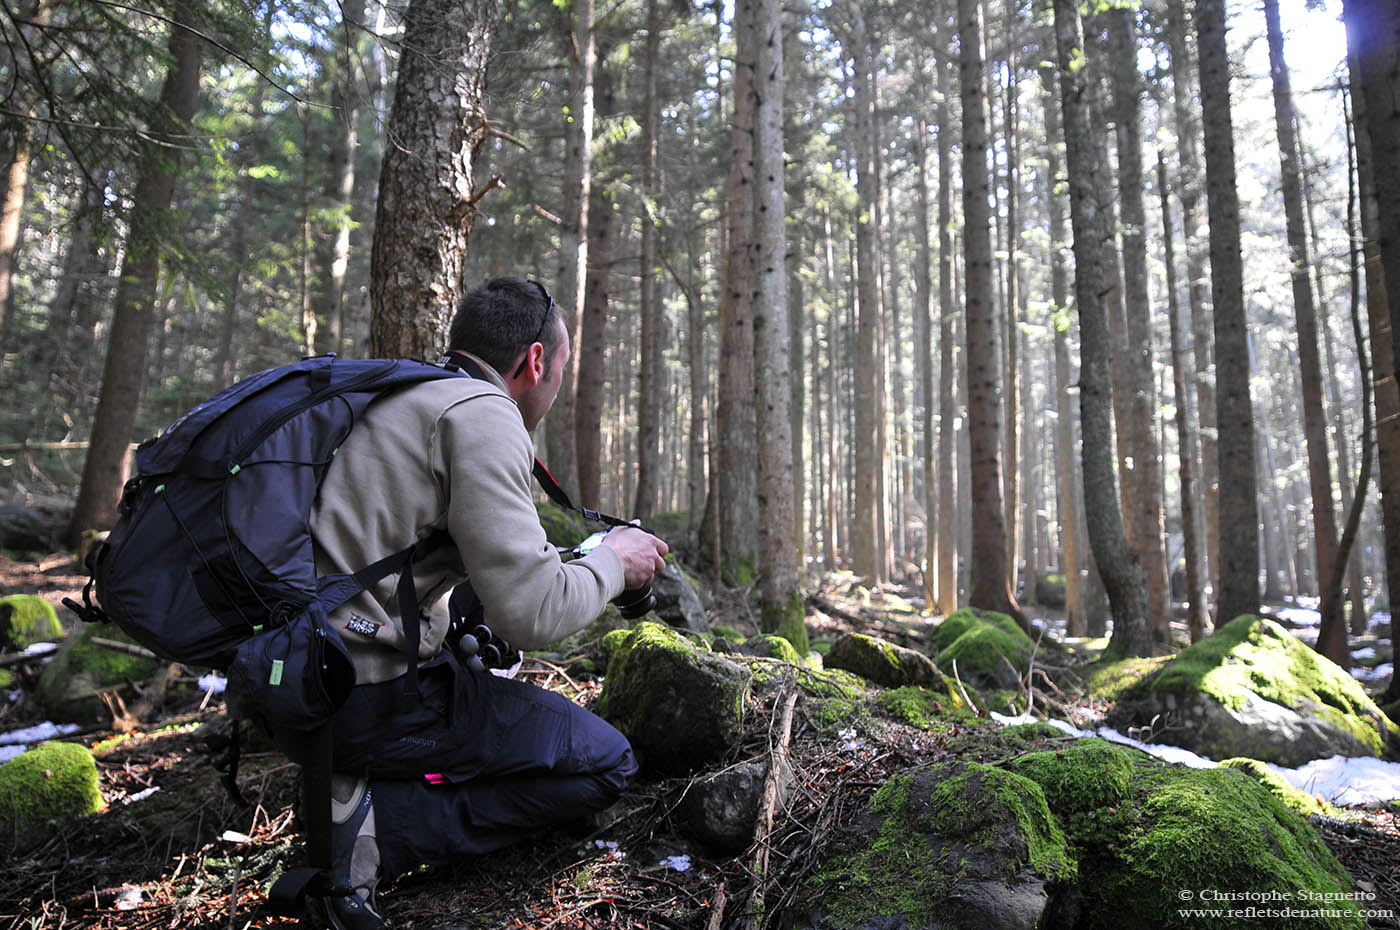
<point>640,552</point>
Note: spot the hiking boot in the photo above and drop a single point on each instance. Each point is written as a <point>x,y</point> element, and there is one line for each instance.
<point>354,857</point>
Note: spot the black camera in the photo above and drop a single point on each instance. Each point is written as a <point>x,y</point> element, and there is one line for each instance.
<point>631,603</point>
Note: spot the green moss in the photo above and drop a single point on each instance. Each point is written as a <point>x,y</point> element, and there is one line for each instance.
<point>773,647</point>
<point>1109,680</point>
<point>1029,734</point>
<point>1002,701</point>
<point>788,620</point>
<point>561,527</point>
<point>1084,775</point>
<point>1258,655</point>
<point>729,633</point>
<point>966,618</point>
<point>1000,795</point>
<point>741,574</point>
<point>1179,829</point>
<point>820,646</point>
<point>1294,799</point>
<point>26,619</point>
<point>7,678</point>
<point>979,653</point>
<point>920,707</point>
<point>48,785</point>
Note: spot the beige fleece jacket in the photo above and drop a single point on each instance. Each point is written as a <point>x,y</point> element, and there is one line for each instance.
<point>449,455</point>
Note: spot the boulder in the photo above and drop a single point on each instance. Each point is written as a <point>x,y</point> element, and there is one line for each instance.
<point>1050,591</point>
<point>676,600</point>
<point>722,808</point>
<point>991,651</point>
<point>1149,836</point>
<point>43,789</point>
<point>26,619</point>
<point>681,708</point>
<point>951,845</point>
<point>768,646</point>
<point>68,686</point>
<point>882,662</point>
<point>1252,689</point>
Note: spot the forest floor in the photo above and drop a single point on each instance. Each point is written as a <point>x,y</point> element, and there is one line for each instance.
<point>173,850</point>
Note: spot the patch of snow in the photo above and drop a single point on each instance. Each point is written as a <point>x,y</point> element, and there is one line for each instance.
<point>1365,652</point>
<point>37,734</point>
<point>233,836</point>
<point>213,682</point>
<point>1303,616</point>
<point>1379,673</point>
<point>9,752</point>
<point>679,863</point>
<point>1347,781</point>
<point>129,898</point>
<point>852,742</point>
<point>40,649</point>
<point>141,795</point>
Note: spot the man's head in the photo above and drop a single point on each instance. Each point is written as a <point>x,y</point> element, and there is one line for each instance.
<point>513,326</point>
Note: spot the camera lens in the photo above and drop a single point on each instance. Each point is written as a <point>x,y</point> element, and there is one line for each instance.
<point>635,602</point>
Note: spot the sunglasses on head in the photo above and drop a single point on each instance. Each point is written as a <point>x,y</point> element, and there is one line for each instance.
<point>549,308</point>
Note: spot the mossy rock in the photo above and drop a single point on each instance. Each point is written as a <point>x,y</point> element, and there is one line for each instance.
<point>1084,775</point>
<point>562,527</point>
<point>1145,832</point>
<point>1251,689</point>
<point>26,619</point>
<point>923,707</point>
<point>988,657</point>
<point>1108,680</point>
<point>681,708</point>
<point>967,618</point>
<point>44,788</point>
<point>1294,799</point>
<point>1050,591</point>
<point>949,845</point>
<point>729,633</point>
<point>882,662</point>
<point>768,646</point>
<point>79,668</point>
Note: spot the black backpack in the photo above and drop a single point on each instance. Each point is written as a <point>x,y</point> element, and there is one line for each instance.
<point>211,563</point>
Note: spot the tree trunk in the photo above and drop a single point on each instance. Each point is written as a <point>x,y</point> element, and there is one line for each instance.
<point>1188,131</point>
<point>1149,524</point>
<point>1011,471</point>
<point>592,347</point>
<point>991,587</point>
<point>1332,637</point>
<point>426,200</point>
<point>736,430</point>
<point>1387,393</point>
<point>570,284</point>
<point>104,473</point>
<point>1186,428</point>
<point>333,242</point>
<point>1239,509</point>
<point>782,609</point>
<point>867,542</point>
<point>650,375</point>
<point>923,355</point>
<point>1122,574</point>
<point>1066,475</point>
<point>947,345</point>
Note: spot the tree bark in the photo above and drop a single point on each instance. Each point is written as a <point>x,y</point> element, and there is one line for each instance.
<point>570,284</point>
<point>104,472</point>
<point>592,347</point>
<point>736,429</point>
<point>650,377</point>
<point>1066,475</point>
<point>1122,575</point>
<point>781,599</point>
<point>947,344</point>
<point>991,587</point>
<point>1188,131</point>
<point>333,243</point>
<point>923,355</point>
<point>1332,636</point>
<point>426,194</point>
<point>1186,427</point>
<point>1148,526</point>
<point>1239,509</point>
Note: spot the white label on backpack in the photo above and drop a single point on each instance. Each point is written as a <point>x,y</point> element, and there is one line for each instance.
<point>358,624</point>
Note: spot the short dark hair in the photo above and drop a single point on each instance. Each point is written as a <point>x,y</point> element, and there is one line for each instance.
<point>501,318</point>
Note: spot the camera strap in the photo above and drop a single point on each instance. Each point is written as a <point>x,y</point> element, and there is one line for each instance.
<point>460,361</point>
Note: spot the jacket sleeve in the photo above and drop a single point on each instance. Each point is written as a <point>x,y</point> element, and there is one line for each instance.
<point>483,459</point>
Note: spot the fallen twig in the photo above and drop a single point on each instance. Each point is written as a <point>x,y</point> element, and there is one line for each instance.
<point>777,761</point>
<point>963,691</point>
